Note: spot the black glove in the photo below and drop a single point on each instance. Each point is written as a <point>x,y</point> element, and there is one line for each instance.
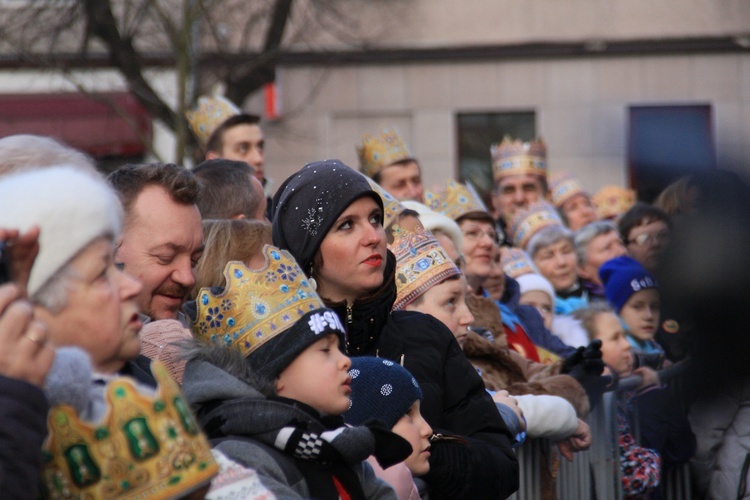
<point>586,366</point>
<point>390,448</point>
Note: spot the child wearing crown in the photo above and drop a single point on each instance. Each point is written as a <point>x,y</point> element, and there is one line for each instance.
<point>272,385</point>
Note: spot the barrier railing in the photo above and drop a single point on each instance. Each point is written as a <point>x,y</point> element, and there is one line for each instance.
<point>595,473</point>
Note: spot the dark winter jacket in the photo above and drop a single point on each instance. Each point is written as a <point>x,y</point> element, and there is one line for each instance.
<point>479,463</point>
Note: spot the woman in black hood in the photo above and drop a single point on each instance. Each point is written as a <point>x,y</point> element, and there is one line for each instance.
<point>331,221</point>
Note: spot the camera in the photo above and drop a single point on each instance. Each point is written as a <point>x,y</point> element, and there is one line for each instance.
<point>4,263</point>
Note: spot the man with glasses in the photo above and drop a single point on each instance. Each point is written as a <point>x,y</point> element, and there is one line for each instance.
<point>645,230</point>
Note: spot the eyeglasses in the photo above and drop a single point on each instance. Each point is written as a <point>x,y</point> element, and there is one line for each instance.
<point>475,233</point>
<point>646,239</point>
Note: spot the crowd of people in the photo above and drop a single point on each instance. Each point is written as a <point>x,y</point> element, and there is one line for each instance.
<point>167,332</point>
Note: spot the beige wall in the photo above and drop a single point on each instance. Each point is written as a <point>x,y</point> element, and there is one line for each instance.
<point>581,107</point>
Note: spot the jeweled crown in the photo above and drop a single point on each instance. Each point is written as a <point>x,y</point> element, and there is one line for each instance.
<point>255,305</point>
<point>146,446</point>
<point>515,262</point>
<point>612,201</point>
<point>420,264</point>
<point>391,206</point>
<point>456,200</point>
<point>207,115</point>
<point>377,152</point>
<point>562,187</point>
<point>515,157</point>
<point>526,222</point>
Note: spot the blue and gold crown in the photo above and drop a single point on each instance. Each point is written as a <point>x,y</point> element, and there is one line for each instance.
<point>562,187</point>
<point>420,264</point>
<point>526,222</point>
<point>391,206</point>
<point>146,446</point>
<point>515,157</point>
<point>515,262</point>
<point>612,201</point>
<point>208,114</point>
<point>377,152</point>
<point>456,200</point>
<point>255,305</point>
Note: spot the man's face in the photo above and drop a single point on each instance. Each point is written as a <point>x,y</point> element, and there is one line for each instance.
<point>161,245</point>
<point>403,181</point>
<point>514,192</point>
<point>243,142</point>
<point>647,241</point>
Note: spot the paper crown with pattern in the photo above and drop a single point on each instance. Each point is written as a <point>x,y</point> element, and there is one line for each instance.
<point>377,152</point>
<point>515,262</point>
<point>255,305</point>
<point>391,206</point>
<point>611,201</point>
<point>526,222</point>
<point>455,200</point>
<point>420,264</point>
<point>562,187</point>
<point>515,157</point>
<point>146,446</point>
<point>208,114</point>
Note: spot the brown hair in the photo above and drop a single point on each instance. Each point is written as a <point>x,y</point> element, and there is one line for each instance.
<point>587,316</point>
<point>227,189</point>
<point>227,240</point>
<point>678,198</point>
<point>216,141</point>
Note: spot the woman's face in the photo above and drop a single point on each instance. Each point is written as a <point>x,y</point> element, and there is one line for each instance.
<point>615,347</point>
<point>446,302</point>
<point>353,253</point>
<point>479,243</point>
<point>100,314</point>
<point>579,211</point>
<point>641,313</point>
<point>557,263</point>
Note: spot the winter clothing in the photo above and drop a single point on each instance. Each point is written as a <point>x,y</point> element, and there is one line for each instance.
<point>640,467</point>
<point>398,477</point>
<point>72,208</point>
<point>622,277</point>
<point>549,417</point>
<point>235,481</point>
<point>160,340</point>
<point>296,452</point>
<point>535,282</point>
<point>309,202</point>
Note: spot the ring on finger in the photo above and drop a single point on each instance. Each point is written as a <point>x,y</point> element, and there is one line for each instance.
<point>37,339</point>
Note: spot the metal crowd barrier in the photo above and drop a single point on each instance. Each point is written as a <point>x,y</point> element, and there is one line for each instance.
<point>594,474</point>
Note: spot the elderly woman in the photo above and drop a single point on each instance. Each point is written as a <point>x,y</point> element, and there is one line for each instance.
<point>76,290</point>
<point>331,220</point>
<point>596,243</point>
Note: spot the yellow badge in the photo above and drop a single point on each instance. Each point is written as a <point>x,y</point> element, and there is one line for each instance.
<point>671,326</point>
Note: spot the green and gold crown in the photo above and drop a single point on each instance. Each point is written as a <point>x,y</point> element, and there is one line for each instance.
<point>377,152</point>
<point>612,201</point>
<point>420,264</point>
<point>515,157</point>
<point>208,114</point>
<point>456,200</point>
<point>255,305</point>
<point>391,206</point>
<point>562,187</point>
<point>526,222</point>
<point>515,262</point>
<point>146,446</point>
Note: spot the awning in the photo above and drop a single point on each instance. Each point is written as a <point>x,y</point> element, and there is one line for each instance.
<point>104,124</point>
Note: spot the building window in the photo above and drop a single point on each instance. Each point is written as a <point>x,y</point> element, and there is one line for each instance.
<point>477,132</point>
<point>666,143</point>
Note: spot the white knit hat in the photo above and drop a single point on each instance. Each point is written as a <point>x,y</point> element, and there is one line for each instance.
<point>433,221</point>
<point>535,282</point>
<point>71,208</point>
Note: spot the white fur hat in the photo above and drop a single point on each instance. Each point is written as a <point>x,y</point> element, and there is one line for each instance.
<point>432,221</point>
<point>71,208</point>
<point>535,282</point>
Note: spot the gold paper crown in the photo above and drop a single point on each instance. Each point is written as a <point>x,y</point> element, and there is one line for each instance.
<point>612,201</point>
<point>515,157</point>
<point>255,305</point>
<point>377,152</point>
<point>391,206</point>
<point>516,262</point>
<point>456,200</point>
<point>526,222</point>
<point>209,113</point>
<point>144,447</point>
<point>420,264</point>
<point>562,187</point>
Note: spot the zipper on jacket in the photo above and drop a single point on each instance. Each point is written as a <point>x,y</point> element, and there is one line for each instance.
<point>349,318</point>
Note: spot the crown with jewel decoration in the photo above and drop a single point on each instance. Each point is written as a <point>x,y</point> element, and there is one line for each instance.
<point>391,206</point>
<point>515,157</point>
<point>456,200</point>
<point>562,187</point>
<point>377,152</point>
<point>515,262</point>
<point>208,115</point>
<point>526,222</point>
<point>255,305</point>
<point>420,264</point>
<point>146,446</point>
<point>612,201</point>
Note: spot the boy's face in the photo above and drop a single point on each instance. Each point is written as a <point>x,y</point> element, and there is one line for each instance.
<point>540,301</point>
<point>446,301</point>
<point>615,347</point>
<point>641,313</point>
<point>417,431</point>
<point>318,377</point>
